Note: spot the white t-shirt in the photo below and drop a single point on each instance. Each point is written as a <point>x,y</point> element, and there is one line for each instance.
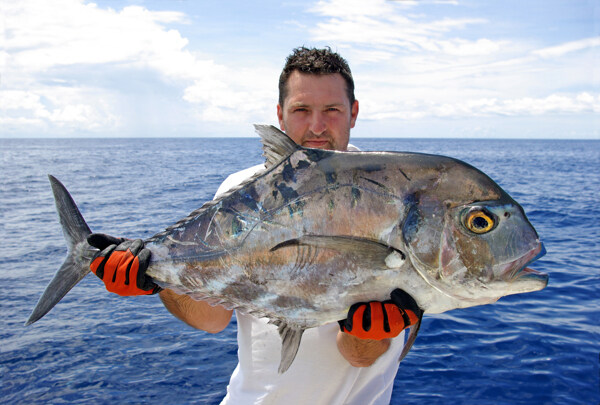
<point>319,373</point>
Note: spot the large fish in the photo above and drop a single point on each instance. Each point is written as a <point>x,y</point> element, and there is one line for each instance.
<point>318,231</point>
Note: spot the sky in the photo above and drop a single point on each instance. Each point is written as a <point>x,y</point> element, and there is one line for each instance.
<point>183,68</point>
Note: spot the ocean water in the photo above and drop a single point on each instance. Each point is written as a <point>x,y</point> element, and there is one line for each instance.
<point>93,347</point>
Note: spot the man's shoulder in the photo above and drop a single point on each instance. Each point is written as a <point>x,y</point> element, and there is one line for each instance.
<point>236,178</point>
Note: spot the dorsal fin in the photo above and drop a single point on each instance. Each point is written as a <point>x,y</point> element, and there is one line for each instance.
<point>276,144</point>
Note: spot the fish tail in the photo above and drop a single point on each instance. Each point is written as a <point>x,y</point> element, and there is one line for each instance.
<point>76,265</point>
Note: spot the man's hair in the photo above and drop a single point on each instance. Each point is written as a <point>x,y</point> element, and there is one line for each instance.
<point>315,61</point>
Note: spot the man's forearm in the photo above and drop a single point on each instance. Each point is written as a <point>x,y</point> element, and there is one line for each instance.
<point>361,352</point>
<point>197,314</point>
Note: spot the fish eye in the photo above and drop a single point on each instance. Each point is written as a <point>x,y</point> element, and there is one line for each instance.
<point>479,221</point>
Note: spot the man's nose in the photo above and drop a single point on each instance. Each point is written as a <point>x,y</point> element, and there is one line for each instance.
<point>317,123</point>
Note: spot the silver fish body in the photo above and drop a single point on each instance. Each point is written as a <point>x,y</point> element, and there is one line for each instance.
<point>318,231</point>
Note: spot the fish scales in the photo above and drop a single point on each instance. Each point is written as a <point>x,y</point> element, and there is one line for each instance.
<point>320,204</point>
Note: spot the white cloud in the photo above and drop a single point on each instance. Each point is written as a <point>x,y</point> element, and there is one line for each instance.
<point>60,107</point>
<point>241,95</point>
<point>40,35</point>
<point>54,51</point>
<point>74,66</point>
<point>385,25</point>
<point>555,104</point>
<point>414,66</point>
<point>568,47</point>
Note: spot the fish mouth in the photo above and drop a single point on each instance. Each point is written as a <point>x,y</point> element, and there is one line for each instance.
<point>518,269</point>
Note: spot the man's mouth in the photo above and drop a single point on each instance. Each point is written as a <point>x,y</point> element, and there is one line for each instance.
<point>316,143</point>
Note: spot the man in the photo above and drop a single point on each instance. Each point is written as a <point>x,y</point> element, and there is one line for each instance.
<point>353,363</point>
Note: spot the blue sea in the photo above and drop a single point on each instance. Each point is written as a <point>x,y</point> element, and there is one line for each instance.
<point>95,347</point>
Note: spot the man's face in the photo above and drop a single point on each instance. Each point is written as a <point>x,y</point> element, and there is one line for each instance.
<point>316,112</point>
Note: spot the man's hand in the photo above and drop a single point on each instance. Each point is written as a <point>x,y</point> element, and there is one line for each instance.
<point>377,320</point>
<point>121,264</point>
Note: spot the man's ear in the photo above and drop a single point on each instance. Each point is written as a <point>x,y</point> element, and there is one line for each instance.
<point>280,117</point>
<point>353,113</point>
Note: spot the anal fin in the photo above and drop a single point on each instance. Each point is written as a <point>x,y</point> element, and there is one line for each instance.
<point>290,342</point>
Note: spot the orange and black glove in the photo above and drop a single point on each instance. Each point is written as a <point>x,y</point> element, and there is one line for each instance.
<point>379,320</point>
<point>121,264</point>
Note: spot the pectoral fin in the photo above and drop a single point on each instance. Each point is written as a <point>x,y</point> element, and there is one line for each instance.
<point>365,252</point>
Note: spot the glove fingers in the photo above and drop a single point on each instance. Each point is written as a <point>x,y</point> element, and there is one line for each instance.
<point>122,267</point>
<point>124,280</point>
<point>404,300</point>
<point>129,286</point>
<point>354,318</point>
<point>359,319</point>
<point>129,278</point>
<point>412,316</point>
<point>142,280</point>
<point>378,320</point>
<point>135,246</point>
<point>99,261</point>
<point>126,266</point>
<point>117,265</point>
<point>396,320</point>
<point>377,317</point>
<point>102,241</point>
<point>378,325</point>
